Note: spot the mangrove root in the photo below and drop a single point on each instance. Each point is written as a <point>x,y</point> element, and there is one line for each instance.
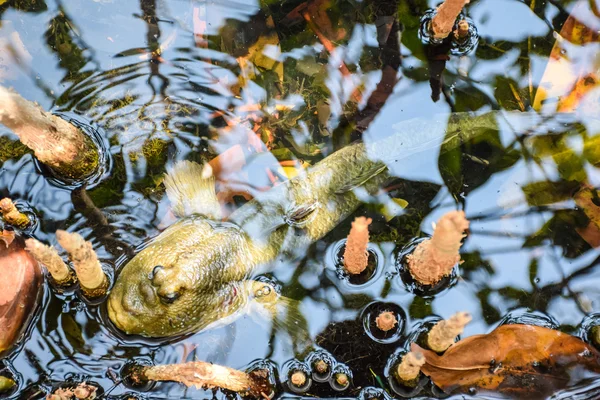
<point>54,141</point>
<point>435,258</point>
<point>81,391</point>
<point>386,321</point>
<point>410,367</point>
<point>444,333</point>
<point>92,279</point>
<point>48,256</point>
<point>356,257</point>
<point>206,375</point>
<point>443,21</point>
<point>11,215</point>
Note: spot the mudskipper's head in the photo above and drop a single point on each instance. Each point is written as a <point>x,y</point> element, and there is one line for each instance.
<point>178,283</point>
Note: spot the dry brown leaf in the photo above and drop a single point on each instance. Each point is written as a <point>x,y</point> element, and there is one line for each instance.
<point>520,360</point>
<point>19,288</point>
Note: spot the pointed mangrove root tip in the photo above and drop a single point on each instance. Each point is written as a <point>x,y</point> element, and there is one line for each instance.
<point>356,257</point>
<point>595,335</point>
<point>434,258</point>
<point>11,215</point>
<point>321,366</point>
<point>341,379</point>
<point>409,368</point>
<point>386,321</point>
<point>463,29</point>
<point>48,256</point>
<point>298,378</point>
<point>55,142</point>
<point>92,278</point>
<point>443,21</point>
<point>443,334</point>
<point>206,375</point>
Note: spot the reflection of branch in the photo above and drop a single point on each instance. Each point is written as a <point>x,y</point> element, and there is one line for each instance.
<point>103,231</point>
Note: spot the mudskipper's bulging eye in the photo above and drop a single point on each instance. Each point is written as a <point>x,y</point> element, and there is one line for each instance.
<point>169,298</point>
<point>155,271</point>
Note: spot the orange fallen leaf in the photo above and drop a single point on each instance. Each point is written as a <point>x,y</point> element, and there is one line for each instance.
<point>571,71</point>
<point>19,289</point>
<point>520,360</point>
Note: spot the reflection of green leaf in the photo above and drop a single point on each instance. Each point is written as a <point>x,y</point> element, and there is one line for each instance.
<point>560,230</point>
<point>569,163</point>
<point>72,332</point>
<point>533,271</point>
<point>546,192</point>
<point>510,95</point>
<point>461,170</point>
<point>591,149</point>
<point>420,308</point>
<point>6,383</point>
<point>490,313</point>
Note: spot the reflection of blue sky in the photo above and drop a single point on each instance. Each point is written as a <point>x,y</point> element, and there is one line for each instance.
<point>506,20</point>
<point>110,28</point>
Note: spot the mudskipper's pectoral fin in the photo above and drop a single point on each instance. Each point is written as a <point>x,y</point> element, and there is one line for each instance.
<point>191,190</point>
<point>299,215</point>
<point>361,178</point>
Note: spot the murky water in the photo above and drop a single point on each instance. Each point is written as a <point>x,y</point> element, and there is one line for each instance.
<point>173,80</point>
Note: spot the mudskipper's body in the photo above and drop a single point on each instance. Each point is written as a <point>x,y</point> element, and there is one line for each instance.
<point>199,270</point>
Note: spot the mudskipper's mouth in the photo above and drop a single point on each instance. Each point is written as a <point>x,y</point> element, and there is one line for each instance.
<point>122,318</point>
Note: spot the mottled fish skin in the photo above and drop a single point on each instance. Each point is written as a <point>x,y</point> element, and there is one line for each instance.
<point>196,272</point>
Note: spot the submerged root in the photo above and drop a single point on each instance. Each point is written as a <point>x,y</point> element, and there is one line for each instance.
<point>435,258</point>
<point>48,256</point>
<point>82,391</point>
<point>409,369</point>
<point>55,142</point>
<point>356,257</point>
<point>11,215</point>
<point>444,333</point>
<point>92,279</point>
<point>206,375</point>
<point>443,21</point>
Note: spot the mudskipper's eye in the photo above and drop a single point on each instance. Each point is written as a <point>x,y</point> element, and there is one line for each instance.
<point>155,270</point>
<point>169,298</point>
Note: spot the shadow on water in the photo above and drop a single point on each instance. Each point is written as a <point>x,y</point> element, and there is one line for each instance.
<point>269,91</point>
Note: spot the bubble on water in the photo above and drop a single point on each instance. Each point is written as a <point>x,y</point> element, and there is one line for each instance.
<point>372,326</point>
<point>523,316</point>
<point>341,378</point>
<point>321,364</point>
